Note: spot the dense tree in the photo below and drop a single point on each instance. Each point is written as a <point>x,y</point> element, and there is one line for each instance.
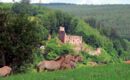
<point>110,32</point>
<point>23,8</point>
<point>18,38</point>
<point>93,41</point>
<point>54,19</point>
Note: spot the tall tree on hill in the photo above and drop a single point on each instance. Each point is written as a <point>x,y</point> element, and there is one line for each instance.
<point>3,19</point>
<point>23,8</point>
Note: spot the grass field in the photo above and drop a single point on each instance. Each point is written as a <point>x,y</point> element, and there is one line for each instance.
<point>106,72</point>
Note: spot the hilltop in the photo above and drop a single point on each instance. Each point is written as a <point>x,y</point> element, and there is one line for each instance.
<point>53,4</point>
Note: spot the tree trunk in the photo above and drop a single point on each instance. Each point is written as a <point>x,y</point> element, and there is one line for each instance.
<point>3,58</point>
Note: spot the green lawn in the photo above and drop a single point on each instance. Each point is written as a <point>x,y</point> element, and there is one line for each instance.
<point>106,72</point>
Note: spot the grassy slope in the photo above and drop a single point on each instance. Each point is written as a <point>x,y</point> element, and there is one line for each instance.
<point>115,15</point>
<point>107,72</point>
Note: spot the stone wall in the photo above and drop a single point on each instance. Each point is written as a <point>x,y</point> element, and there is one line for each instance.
<point>71,39</point>
<point>74,40</point>
<point>95,52</point>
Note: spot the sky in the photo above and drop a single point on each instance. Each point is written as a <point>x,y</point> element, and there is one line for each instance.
<point>79,1</point>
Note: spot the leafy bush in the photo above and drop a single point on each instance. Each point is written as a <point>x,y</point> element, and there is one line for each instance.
<point>103,58</point>
<point>54,49</point>
<point>92,40</point>
<point>37,56</point>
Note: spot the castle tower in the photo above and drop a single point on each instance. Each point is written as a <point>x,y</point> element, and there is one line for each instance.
<point>62,34</point>
<point>62,28</point>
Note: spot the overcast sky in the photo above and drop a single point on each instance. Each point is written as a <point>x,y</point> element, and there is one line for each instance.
<point>79,1</point>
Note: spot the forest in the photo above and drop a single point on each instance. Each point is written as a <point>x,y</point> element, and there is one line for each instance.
<point>25,27</point>
<point>116,16</point>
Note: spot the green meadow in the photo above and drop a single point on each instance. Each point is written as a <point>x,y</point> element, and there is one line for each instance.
<point>106,72</point>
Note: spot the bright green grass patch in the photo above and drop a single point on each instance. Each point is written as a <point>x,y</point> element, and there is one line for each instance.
<point>106,72</point>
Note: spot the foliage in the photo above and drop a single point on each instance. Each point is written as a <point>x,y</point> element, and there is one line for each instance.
<point>126,55</point>
<point>23,8</point>
<point>54,50</point>
<point>103,58</point>
<point>54,19</point>
<point>92,40</point>
<point>18,38</point>
<point>37,56</point>
<point>119,44</point>
<point>97,40</point>
<point>112,15</point>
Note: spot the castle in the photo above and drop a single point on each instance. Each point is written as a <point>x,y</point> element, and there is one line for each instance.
<point>71,39</point>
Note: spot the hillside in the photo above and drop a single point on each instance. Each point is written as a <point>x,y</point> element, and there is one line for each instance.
<point>117,16</point>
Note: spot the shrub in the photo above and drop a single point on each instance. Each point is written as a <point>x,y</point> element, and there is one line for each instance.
<point>53,49</point>
<point>37,56</point>
<point>92,40</point>
<point>103,58</point>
